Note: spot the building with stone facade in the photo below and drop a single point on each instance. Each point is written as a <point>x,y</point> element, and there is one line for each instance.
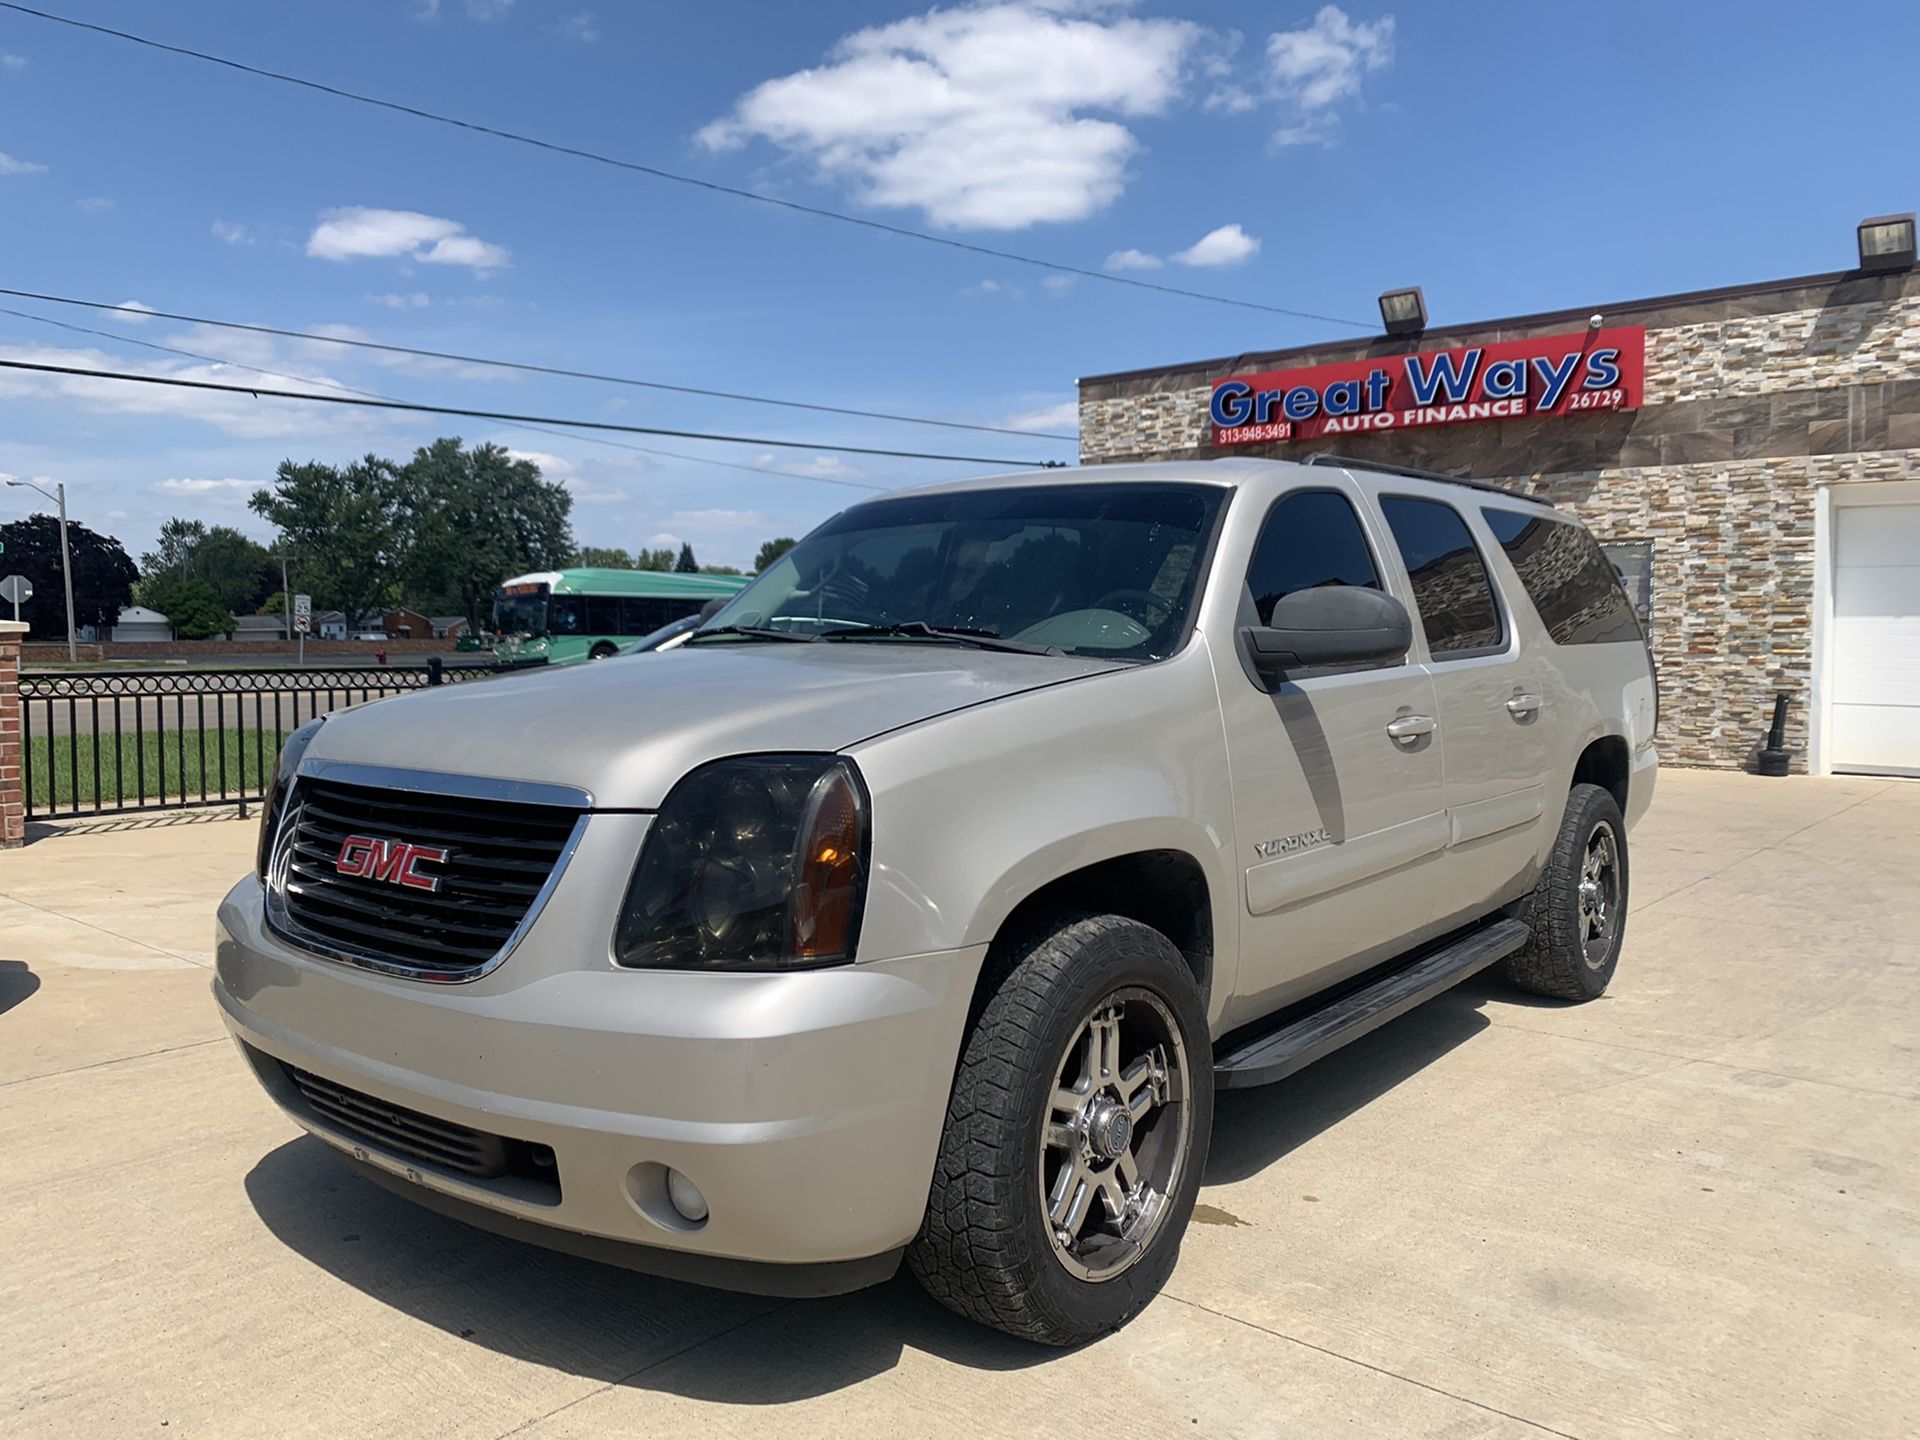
<point>1757,481</point>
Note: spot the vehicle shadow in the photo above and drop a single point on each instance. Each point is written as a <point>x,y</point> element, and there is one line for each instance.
<point>1254,1128</point>
<point>616,1326</point>
<point>598,1321</point>
<point>17,983</point>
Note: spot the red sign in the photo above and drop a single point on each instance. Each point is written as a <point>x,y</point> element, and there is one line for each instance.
<point>394,861</point>
<point>1548,375</point>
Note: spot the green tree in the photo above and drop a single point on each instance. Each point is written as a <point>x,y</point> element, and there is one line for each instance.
<point>721,570</point>
<point>179,539</point>
<point>772,551</point>
<point>661,559</point>
<point>686,564</point>
<point>472,518</point>
<point>609,557</point>
<point>343,529</point>
<point>239,569</point>
<point>189,604</point>
<point>103,574</point>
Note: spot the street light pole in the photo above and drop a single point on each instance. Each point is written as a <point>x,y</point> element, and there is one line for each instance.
<point>66,558</point>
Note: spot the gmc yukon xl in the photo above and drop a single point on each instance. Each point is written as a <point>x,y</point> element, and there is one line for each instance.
<point>919,903</point>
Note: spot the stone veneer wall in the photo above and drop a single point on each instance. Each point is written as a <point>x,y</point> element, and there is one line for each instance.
<point>1752,401</point>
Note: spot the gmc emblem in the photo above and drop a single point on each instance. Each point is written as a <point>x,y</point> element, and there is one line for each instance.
<point>394,861</point>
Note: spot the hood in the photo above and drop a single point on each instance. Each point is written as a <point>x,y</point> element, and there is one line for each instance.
<point>626,729</point>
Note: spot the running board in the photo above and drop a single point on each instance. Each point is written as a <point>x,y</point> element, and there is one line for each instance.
<point>1276,1054</point>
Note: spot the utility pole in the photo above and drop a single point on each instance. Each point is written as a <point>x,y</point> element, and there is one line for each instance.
<point>286,597</point>
<point>66,558</point>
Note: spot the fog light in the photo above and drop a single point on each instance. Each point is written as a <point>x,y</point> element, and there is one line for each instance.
<point>686,1197</point>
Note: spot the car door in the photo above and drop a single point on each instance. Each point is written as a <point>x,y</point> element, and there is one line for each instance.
<point>1492,705</point>
<point>1337,785</point>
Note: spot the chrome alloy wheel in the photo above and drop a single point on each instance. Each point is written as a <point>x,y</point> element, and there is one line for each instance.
<point>1115,1141</point>
<point>1599,895</point>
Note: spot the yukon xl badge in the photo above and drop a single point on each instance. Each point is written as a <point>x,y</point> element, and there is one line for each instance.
<point>1288,844</point>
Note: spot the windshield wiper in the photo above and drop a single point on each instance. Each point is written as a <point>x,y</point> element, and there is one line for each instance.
<point>921,630</point>
<point>752,632</point>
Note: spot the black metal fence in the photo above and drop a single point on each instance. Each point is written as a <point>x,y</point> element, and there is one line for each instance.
<point>112,742</point>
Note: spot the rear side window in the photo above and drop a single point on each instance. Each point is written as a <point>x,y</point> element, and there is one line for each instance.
<point>1571,582</point>
<point>1311,538</point>
<point>1450,582</point>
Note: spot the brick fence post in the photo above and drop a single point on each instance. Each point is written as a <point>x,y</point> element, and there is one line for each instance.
<point>13,797</point>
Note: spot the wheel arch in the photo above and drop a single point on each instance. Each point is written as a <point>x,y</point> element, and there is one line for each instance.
<point>1607,761</point>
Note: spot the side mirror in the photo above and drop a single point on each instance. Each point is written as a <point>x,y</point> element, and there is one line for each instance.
<point>1328,625</point>
<point>712,608</point>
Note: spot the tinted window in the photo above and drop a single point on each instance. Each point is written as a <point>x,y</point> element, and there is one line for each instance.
<point>1571,583</point>
<point>642,615</point>
<point>603,614</point>
<point>1105,569</point>
<point>1311,538</point>
<point>1450,583</point>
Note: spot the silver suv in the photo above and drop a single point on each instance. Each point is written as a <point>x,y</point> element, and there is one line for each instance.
<point>920,902</point>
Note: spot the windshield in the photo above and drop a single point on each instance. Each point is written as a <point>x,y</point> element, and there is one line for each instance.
<point>1087,569</point>
<point>524,614</point>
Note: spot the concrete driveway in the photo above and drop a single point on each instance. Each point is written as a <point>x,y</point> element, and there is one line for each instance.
<point>1692,1208</point>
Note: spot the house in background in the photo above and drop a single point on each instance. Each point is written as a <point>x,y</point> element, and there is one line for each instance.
<point>137,625</point>
<point>330,624</point>
<point>259,627</point>
<point>406,625</point>
<point>448,627</point>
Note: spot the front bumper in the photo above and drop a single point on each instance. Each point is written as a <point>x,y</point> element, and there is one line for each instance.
<point>807,1106</point>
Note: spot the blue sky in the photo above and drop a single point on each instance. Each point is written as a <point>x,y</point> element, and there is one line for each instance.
<point>1508,157</point>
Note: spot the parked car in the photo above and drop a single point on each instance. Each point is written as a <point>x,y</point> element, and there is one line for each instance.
<point>917,905</point>
<point>369,635</point>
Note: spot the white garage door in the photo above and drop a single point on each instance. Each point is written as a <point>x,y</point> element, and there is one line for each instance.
<point>1874,723</point>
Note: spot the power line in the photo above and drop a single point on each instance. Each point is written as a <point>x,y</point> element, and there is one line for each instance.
<point>510,418</point>
<point>147,314</point>
<point>655,172</point>
<point>376,395</point>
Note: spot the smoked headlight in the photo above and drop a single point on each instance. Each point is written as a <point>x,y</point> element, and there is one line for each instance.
<point>753,863</point>
<point>276,798</point>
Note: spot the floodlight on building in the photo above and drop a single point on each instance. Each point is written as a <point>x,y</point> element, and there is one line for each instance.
<point>1404,312</point>
<point>1886,242</point>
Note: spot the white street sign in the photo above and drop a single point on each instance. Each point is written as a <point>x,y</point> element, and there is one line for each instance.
<point>303,613</point>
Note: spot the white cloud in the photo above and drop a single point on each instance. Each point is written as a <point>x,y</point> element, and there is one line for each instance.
<point>1133,260</point>
<point>977,116</point>
<point>235,414</point>
<point>579,26</point>
<point>552,467</point>
<point>489,10</point>
<point>11,166</point>
<point>15,63</point>
<point>819,467</point>
<point>232,234</point>
<point>1064,416</point>
<point>664,537</point>
<point>94,204</point>
<point>720,519</point>
<point>1060,284</point>
<point>1228,245</point>
<point>418,300</point>
<point>358,232</point>
<point>230,490</point>
<point>132,312</point>
<point>1319,65</point>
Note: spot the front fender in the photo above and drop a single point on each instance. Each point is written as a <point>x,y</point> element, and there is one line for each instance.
<point>974,811</point>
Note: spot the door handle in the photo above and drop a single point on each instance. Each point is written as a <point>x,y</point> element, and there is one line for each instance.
<point>1410,727</point>
<point>1523,705</point>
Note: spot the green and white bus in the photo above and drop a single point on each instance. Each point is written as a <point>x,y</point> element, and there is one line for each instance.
<point>565,615</point>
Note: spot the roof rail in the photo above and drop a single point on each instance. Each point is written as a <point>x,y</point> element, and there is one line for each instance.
<point>1382,467</point>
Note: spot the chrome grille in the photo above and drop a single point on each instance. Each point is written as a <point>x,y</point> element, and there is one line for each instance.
<point>501,857</point>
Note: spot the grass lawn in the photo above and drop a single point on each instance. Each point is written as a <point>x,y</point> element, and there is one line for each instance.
<point>148,766</point>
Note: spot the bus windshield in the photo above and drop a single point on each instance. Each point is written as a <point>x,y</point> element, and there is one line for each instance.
<point>520,614</point>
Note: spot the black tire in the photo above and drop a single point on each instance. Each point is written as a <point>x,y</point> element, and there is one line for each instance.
<point>1564,959</point>
<point>987,1248</point>
<point>603,651</point>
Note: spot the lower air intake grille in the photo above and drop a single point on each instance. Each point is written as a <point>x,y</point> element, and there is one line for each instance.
<point>436,1144</point>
